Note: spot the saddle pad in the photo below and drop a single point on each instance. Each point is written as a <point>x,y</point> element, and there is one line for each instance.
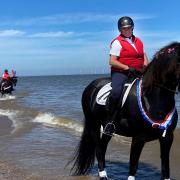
<point>103,94</point>
<point>105,91</point>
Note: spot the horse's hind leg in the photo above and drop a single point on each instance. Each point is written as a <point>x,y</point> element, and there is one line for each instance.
<point>136,149</point>
<point>100,154</point>
<point>165,146</point>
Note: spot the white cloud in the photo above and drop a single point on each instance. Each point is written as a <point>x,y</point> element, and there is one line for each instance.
<point>11,33</point>
<point>52,34</point>
<point>157,34</point>
<point>71,18</point>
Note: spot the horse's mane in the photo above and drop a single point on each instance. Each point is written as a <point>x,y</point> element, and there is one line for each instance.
<point>164,62</point>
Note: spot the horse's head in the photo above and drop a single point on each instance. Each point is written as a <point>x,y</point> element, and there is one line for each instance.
<point>14,80</point>
<point>164,69</point>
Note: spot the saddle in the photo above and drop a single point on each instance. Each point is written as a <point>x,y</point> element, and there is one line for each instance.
<point>103,94</point>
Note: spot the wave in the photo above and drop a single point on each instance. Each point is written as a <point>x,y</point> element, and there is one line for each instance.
<point>21,116</point>
<point>49,119</point>
<point>7,97</point>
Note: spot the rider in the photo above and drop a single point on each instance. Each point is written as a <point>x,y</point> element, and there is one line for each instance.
<point>5,77</point>
<point>126,56</point>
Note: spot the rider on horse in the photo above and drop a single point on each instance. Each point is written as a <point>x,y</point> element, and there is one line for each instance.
<point>8,82</point>
<point>5,77</point>
<point>148,114</point>
<point>126,56</point>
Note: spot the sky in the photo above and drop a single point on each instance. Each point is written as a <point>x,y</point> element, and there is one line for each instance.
<point>54,37</point>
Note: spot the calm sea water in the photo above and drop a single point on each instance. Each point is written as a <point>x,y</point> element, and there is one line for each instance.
<point>47,123</point>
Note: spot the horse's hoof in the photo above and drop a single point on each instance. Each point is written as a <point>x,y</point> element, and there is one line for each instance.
<point>103,178</point>
<point>131,178</point>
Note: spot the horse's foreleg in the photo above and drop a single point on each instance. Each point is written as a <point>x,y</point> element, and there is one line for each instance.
<point>165,146</point>
<point>136,149</point>
<point>100,154</point>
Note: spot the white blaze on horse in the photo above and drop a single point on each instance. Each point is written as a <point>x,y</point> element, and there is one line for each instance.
<point>149,113</point>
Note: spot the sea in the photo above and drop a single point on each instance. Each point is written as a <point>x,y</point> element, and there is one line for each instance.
<point>41,125</point>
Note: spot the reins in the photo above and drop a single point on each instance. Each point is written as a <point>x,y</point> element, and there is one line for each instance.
<point>163,87</point>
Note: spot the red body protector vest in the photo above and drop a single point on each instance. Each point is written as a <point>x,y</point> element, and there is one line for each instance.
<point>6,76</point>
<point>128,54</point>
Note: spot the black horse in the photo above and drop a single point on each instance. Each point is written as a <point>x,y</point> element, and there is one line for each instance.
<point>148,114</point>
<point>6,86</point>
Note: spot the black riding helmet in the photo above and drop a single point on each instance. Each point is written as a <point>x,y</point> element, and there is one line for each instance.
<point>125,21</point>
<point>6,71</point>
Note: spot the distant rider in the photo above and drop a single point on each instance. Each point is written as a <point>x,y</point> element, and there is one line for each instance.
<point>5,77</point>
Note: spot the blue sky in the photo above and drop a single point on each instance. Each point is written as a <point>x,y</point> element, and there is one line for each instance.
<point>47,37</point>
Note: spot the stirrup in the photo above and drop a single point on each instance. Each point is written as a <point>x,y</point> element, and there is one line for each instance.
<point>109,129</point>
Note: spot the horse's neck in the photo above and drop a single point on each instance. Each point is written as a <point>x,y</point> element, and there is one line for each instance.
<point>157,91</point>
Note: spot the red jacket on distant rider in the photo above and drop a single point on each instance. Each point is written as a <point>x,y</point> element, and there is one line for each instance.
<point>6,75</point>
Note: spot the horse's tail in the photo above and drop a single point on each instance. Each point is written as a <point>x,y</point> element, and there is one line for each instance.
<point>85,153</point>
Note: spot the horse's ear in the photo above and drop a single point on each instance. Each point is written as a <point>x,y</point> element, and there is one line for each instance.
<point>13,72</point>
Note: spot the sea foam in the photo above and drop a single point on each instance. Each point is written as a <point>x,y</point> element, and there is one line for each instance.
<point>49,119</point>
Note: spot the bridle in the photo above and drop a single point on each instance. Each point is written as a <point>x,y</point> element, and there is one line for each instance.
<point>168,89</point>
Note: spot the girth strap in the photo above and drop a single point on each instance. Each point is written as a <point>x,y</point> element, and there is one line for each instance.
<point>129,86</point>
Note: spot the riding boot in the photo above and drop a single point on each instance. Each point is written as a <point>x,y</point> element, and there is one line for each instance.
<point>111,111</point>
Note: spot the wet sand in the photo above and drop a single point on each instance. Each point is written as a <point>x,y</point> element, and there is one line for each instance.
<point>5,126</point>
<point>151,154</point>
<point>7,172</point>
